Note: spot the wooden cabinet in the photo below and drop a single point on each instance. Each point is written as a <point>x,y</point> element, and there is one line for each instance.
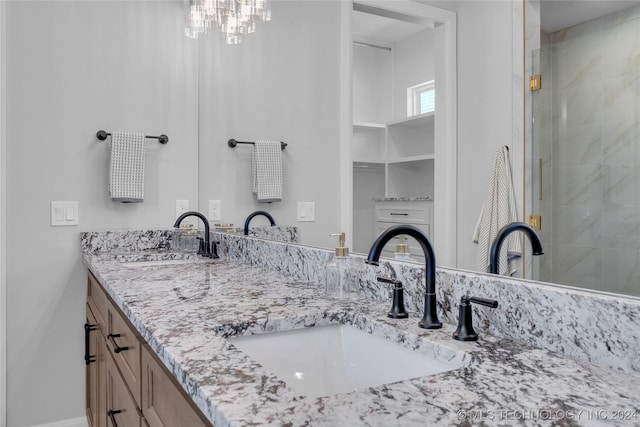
<point>126,385</point>
<point>95,363</point>
<point>163,404</point>
<point>124,347</point>
<point>122,410</point>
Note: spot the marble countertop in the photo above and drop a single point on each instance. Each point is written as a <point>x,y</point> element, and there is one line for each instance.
<point>185,312</point>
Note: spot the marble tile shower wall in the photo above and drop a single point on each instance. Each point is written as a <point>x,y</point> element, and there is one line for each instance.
<point>598,328</point>
<point>591,176</point>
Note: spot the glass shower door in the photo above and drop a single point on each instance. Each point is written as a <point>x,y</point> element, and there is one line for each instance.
<point>585,156</point>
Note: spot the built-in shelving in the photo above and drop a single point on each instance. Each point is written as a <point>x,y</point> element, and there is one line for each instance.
<point>409,159</point>
<point>392,156</point>
<point>364,125</point>
<point>414,121</point>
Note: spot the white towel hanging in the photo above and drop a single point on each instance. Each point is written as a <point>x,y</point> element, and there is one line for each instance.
<point>126,173</point>
<point>498,210</point>
<point>266,166</point>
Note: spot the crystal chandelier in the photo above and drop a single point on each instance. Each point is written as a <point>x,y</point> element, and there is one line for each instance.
<point>234,18</point>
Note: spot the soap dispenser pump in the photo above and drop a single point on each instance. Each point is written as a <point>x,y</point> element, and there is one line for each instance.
<point>337,271</point>
<point>402,249</point>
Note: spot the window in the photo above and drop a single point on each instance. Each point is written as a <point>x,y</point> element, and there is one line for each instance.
<point>421,98</point>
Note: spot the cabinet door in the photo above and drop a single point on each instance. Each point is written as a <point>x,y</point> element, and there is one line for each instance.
<point>96,371</point>
<point>91,336</point>
<point>97,300</point>
<point>121,408</point>
<point>124,346</point>
<point>163,404</point>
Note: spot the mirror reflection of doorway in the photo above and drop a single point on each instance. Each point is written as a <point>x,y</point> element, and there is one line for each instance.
<point>393,113</point>
<point>586,151</point>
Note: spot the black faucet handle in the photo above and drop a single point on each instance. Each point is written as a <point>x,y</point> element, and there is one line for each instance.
<point>465,331</point>
<point>213,253</point>
<point>395,282</point>
<point>201,247</point>
<point>482,301</point>
<point>397,306</point>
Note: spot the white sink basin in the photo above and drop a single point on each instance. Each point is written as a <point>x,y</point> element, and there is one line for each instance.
<point>326,360</point>
<point>158,262</point>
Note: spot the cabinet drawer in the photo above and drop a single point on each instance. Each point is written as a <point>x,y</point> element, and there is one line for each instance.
<point>98,302</point>
<point>163,403</point>
<point>124,347</point>
<point>121,408</point>
<point>404,215</point>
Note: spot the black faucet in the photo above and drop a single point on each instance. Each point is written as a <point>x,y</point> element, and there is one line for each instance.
<point>501,237</point>
<point>256,213</point>
<point>430,318</point>
<point>465,331</point>
<point>209,249</point>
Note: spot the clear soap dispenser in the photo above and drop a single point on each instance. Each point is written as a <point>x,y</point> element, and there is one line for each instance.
<point>338,275</point>
<point>402,250</point>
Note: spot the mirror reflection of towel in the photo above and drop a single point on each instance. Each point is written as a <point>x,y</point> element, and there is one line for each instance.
<point>126,173</point>
<point>498,210</point>
<point>266,165</point>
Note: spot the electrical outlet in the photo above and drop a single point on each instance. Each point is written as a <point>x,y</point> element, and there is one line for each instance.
<point>215,213</point>
<point>182,206</point>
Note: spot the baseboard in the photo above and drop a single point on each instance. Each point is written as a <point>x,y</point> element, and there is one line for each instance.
<point>72,422</point>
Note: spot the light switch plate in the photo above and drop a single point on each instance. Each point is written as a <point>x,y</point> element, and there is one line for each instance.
<point>215,213</point>
<point>64,213</point>
<point>306,211</point>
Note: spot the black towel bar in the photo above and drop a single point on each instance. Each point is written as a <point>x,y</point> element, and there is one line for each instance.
<point>163,139</point>
<point>232,143</point>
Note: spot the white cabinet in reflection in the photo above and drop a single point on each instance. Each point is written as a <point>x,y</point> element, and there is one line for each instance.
<point>415,211</point>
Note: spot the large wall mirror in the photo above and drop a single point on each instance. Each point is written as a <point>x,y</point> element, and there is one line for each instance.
<point>302,80</point>
<point>585,151</point>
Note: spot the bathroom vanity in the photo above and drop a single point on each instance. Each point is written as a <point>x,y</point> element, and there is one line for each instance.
<point>179,317</point>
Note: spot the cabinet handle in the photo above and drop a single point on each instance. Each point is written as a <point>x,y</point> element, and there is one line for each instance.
<point>399,214</point>
<point>112,414</point>
<point>88,359</point>
<point>117,349</point>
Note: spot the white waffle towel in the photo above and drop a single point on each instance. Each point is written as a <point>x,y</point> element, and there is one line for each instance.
<point>266,165</point>
<point>498,210</point>
<point>126,174</point>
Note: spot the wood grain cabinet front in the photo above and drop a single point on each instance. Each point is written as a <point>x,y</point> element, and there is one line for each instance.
<point>124,347</point>
<point>122,410</point>
<point>95,362</point>
<point>163,404</point>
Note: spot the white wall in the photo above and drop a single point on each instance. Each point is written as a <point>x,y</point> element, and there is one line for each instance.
<point>371,78</point>
<point>74,68</point>
<point>413,64</point>
<point>3,228</point>
<point>282,83</point>
<point>485,109</point>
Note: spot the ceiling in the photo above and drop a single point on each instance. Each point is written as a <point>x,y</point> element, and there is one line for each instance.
<point>384,28</point>
<point>554,15</point>
<point>560,14</point>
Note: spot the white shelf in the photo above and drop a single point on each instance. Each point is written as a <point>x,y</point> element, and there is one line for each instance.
<point>373,165</point>
<point>365,125</point>
<point>412,158</point>
<point>414,121</point>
